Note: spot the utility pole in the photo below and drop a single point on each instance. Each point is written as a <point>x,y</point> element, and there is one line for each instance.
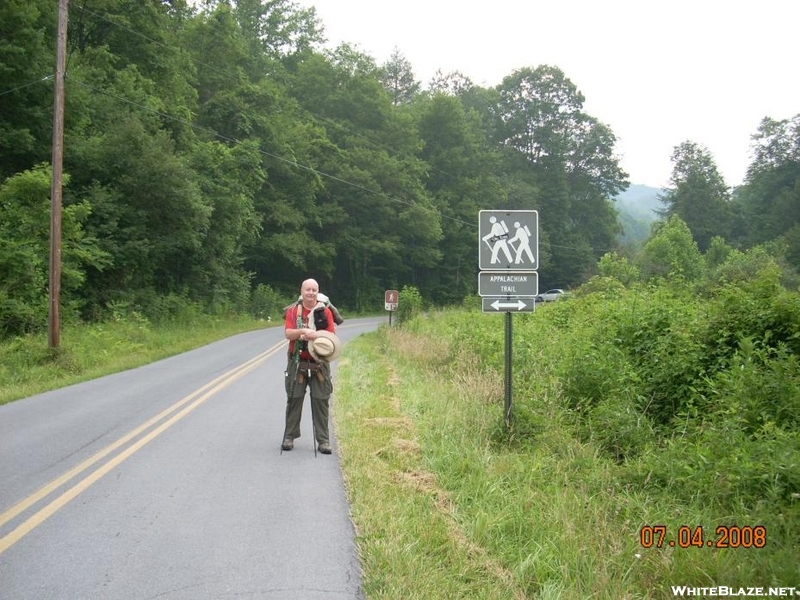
<point>54,323</point>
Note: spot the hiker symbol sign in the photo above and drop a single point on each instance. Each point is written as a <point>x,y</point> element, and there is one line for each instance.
<point>508,240</point>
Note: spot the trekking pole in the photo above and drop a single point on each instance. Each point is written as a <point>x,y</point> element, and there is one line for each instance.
<point>311,401</point>
<point>311,404</point>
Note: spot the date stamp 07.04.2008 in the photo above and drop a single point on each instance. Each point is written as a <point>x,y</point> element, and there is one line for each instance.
<point>725,536</point>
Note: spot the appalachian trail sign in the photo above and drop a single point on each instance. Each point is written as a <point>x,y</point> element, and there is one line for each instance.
<point>508,257</point>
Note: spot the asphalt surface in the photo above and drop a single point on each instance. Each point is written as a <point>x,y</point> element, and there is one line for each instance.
<point>167,482</point>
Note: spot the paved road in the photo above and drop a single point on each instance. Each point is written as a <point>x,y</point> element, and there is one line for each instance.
<point>167,482</point>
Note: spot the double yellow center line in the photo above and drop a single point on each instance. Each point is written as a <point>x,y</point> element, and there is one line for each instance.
<point>166,418</point>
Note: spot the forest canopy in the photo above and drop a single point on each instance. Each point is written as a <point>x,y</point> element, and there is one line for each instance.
<point>218,154</point>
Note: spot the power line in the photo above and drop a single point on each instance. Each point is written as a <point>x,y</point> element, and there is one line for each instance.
<point>27,85</point>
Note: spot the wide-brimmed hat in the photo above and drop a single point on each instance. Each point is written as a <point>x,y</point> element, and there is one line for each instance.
<point>326,347</point>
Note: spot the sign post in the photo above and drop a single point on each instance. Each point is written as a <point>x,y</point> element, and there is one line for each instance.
<point>508,257</point>
<point>390,301</point>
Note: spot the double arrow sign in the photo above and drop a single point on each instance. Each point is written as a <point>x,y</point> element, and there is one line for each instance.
<point>507,304</point>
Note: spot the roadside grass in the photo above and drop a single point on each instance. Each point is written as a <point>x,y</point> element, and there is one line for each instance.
<point>443,511</point>
<point>28,366</point>
<point>449,504</point>
<point>407,526</point>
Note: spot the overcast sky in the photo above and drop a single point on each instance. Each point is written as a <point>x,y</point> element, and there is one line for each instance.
<point>657,73</point>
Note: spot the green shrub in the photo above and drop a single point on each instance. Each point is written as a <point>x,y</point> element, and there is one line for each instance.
<point>612,265</point>
<point>760,387</point>
<point>671,253</point>
<point>667,406</point>
<point>606,286</point>
<point>265,302</point>
<point>656,330</point>
<point>760,310</point>
<point>17,317</point>
<point>173,308</point>
<point>741,268</point>
<point>591,373</point>
<point>409,304</point>
<point>617,425</point>
<point>727,468</point>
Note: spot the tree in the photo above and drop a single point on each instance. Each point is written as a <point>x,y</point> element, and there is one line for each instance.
<point>770,199</point>
<point>566,158</point>
<point>148,213</point>
<point>277,28</point>
<point>539,109</point>
<point>461,180</point>
<point>792,240</point>
<point>27,50</point>
<point>611,264</point>
<point>454,83</point>
<point>25,251</point>
<point>374,210</point>
<point>214,149</point>
<point>671,253</point>
<point>229,179</point>
<point>698,194</point>
<point>141,38</point>
<point>397,76</point>
<point>776,143</point>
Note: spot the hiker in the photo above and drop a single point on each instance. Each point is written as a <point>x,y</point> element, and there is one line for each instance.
<point>311,330</point>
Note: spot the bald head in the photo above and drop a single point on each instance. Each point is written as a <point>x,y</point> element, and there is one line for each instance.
<point>309,283</point>
<point>308,292</point>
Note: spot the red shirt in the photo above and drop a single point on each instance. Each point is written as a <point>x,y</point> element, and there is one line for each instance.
<point>291,323</point>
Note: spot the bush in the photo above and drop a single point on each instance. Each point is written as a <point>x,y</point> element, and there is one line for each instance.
<point>671,253</point>
<point>741,268</point>
<point>760,311</point>
<point>409,304</point>
<point>611,265</point>
<point>266,303</point>
<point>173,308</point>
<point>725,466</point>
<point>608,287</point>
<point>760,387</point>
<point>618,427</point>
<point>18,317</point>
<point>656,329</point>
<point>591,373</point>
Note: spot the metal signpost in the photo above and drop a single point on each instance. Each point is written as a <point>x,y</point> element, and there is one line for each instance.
<point>390,301</point>
<point>508,257</point>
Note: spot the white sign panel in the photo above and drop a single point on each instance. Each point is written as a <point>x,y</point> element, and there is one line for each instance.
<point>509,239</point>
<point>508,283</point>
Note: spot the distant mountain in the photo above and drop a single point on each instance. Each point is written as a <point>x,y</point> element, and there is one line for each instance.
<point>637,208</point>
<point>640,201</point>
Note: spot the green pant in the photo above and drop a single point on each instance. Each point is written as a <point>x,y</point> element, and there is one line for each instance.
<point>298,378</point>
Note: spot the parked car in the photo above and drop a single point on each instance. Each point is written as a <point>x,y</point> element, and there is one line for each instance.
<point>552,295</point>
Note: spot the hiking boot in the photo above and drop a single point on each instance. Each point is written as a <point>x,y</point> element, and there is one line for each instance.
<point>287,444</point>
<point>325,448</point>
